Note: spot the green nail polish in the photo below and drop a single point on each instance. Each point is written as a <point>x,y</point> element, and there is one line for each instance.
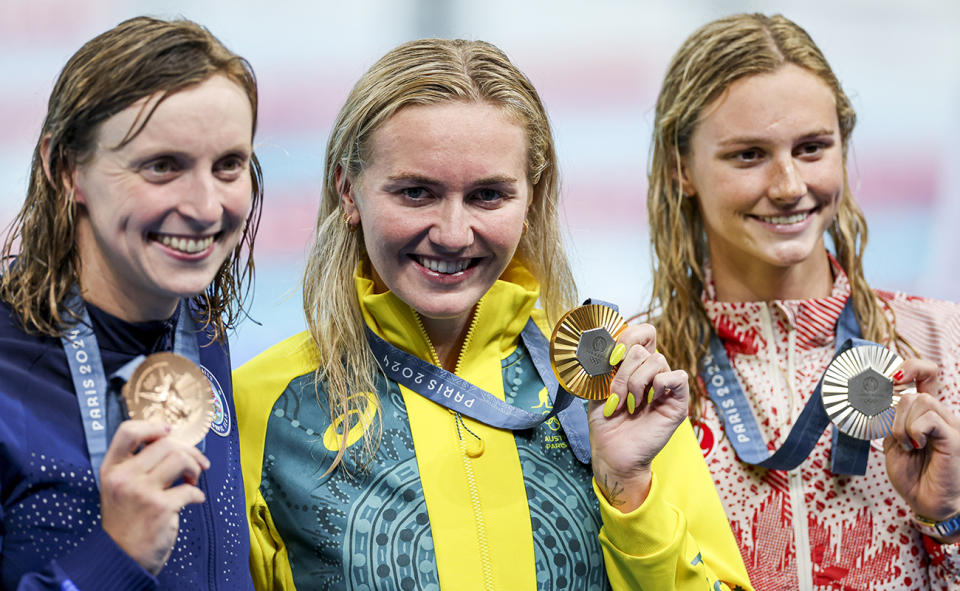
<point>650,395</point>
<point>616,356</point>
<point>612,403</point>
<point>631,402</point>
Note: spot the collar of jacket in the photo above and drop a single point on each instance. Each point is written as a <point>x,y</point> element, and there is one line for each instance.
<point>499,317</point>
<point>740,324</point>
<point>473,485</point>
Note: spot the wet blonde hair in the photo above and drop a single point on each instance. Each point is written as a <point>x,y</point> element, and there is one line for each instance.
<point>423,72</point>
<point>708,62</point>
<point>138,58</point>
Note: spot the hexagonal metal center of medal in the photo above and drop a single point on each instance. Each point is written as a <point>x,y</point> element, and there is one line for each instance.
<point>870,392</point>
<point>593,351</point>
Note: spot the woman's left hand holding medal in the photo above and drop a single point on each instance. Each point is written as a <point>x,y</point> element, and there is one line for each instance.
<point>140,501</point>
<point>647,402</point>
<point>923,449</point>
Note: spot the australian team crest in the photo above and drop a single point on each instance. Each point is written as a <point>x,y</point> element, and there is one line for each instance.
<point>221,411</point>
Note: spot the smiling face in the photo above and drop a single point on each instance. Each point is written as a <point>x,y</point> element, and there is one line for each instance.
<point>441,201</point>
<point>159,215</point>
<point>766,168</point>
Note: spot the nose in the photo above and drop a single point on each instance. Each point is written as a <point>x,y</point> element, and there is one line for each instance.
<point>451,229</point>
<point>200,201</point>
<point>787,183</point>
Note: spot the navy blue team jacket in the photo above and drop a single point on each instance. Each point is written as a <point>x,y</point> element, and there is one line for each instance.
<point>50,533</point>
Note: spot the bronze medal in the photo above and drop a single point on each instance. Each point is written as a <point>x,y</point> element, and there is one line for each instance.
<point>858,392</point>
<point>171,389</point>
<point>580,350</point>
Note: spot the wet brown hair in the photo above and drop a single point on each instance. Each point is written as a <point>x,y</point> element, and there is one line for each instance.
<point>138,58</point>
<point>709,61</point>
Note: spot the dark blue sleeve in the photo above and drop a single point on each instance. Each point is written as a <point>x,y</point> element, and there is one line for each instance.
<point>97,563</point>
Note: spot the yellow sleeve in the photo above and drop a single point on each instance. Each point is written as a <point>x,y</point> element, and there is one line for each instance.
<point>679,538</point>
<point>256,387</point>
<point>269,565</point>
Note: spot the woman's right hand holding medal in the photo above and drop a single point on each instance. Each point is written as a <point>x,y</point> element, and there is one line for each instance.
<point>923,449</point>
<point>647,402</point>
<point>139,506</point>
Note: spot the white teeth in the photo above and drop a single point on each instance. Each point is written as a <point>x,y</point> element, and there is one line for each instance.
<point>785,219</point>
<point>445,267</point>
<point>187,245</point>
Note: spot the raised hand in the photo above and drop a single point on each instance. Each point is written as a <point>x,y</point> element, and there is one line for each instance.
<point>647,403</point>
<point>923,449</point>
<point>140,508</point>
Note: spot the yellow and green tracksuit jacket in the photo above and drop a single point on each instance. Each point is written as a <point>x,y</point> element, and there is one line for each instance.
<point>448,502</point>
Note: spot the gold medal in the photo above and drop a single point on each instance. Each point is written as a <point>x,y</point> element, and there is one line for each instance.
<point>580,350</point>
<point>858,392</point>
<point>171,389</point>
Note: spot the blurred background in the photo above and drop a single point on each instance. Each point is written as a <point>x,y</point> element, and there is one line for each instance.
<point>597,65</point>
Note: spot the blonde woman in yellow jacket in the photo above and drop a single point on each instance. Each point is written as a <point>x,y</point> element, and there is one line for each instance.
<point>437,237</point>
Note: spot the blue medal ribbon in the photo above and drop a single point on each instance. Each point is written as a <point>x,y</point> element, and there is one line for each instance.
<point>459,395</point>
<point>90,381</point>
<point>848,455</point>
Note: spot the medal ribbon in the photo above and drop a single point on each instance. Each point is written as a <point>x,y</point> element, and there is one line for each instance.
<point>459,395</point>
<point>90,380</point>
<point>848,454</point>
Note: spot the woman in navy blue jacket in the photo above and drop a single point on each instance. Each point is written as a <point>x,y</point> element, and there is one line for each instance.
<point>134,239</point>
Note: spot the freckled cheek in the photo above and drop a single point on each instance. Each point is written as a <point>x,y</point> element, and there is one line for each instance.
<point>721,207</point>
<point>827,187</point>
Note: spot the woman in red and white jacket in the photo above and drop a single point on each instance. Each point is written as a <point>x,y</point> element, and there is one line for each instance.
<point>747,176</point>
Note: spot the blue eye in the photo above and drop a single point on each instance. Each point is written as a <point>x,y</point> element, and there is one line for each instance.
<point>414,192</point>
<point>488,195</point>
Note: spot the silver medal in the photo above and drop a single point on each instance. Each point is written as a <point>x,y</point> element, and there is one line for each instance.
<point>858,392</point>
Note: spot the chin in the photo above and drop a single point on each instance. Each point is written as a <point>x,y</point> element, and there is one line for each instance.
<point>186,289</point>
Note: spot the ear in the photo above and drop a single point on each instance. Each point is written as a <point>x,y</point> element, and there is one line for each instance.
<point>68,174</point>
<point>681,174</point>
<point>345,191</point>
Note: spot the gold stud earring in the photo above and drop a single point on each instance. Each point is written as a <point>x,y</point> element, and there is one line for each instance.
<point>526,226</point>
<point>348,220</point>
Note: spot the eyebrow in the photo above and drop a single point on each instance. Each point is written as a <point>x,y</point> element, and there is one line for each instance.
<point>424,180</point>
<point>736,141</point>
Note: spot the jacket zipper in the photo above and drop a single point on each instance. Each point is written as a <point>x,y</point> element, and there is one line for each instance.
<point>485,562</point>
<point>798,508</point>
<point>211,536</point>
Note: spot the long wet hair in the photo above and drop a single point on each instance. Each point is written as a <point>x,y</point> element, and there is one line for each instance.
<point>423,72</point>
<point>138,58</point>
<point>709,61</point>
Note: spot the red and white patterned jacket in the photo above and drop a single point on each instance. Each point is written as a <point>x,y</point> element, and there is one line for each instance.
<point>807,528</point>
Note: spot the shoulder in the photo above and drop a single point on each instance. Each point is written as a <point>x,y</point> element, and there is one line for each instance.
<point>258,383</point>
<point>11,330</point>
<point>276,366</point>
<point>922,306</point>
<point>21,352</point>
<point>931,326</point>
<point>540,318</point>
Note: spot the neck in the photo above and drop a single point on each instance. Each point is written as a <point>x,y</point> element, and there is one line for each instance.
<point>102,291</point>
<point>124,309</point>
<point>812,278</point>
<point>447,336</point>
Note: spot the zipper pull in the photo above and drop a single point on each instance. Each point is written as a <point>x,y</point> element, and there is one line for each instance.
<point>472,443</point>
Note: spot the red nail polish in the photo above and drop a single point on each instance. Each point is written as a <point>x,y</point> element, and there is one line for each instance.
<point>915,444</point>
<point>898,376</point>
